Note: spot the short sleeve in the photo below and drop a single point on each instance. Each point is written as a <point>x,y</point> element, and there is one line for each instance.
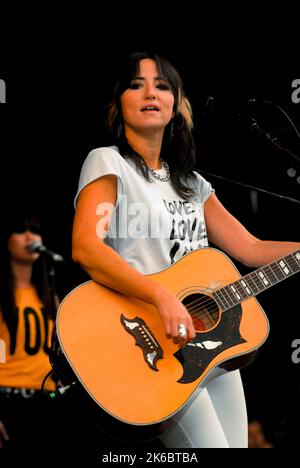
<point>100,162</point>
<point>204,188</point>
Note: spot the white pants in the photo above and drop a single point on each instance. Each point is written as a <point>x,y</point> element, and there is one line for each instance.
<point>217,418</point>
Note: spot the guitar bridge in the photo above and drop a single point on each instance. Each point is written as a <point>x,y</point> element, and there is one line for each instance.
<point>144,338</point>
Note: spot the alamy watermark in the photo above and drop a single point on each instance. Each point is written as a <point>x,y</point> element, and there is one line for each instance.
<point>2,352</point>
<point>2,92</point>
<point>296,93</point>
<point>168,219</point>
<point>296,353</point>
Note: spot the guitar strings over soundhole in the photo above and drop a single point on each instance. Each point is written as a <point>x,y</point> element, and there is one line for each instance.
<point>204,311</point>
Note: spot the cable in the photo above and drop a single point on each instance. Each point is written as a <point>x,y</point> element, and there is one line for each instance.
<point>46,378</point>
<point>284,197</point>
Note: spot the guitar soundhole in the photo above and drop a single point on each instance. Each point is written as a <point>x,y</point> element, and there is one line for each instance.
<point>204,311</point>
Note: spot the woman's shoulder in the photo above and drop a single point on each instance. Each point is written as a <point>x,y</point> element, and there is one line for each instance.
<point>105,160</point>
<point>202,186</point>
<point>198,176</point>
<point>105,152</point>
<point>103,157</point>
<point>200,179</point>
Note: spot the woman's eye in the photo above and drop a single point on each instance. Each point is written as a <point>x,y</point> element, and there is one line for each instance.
<point>135,85</point>
<point>163,86</point>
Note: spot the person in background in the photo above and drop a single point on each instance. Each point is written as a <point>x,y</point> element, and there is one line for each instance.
<point>26,320</point>
<point>256,436</point>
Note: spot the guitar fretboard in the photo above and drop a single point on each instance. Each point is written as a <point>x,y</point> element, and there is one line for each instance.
<point>257,281</point>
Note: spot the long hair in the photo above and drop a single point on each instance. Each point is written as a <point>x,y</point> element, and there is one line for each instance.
<point>18,223</point>
<point>178,147</point>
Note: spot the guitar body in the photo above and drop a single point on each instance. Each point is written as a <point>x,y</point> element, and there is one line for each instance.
<point>117,348</point>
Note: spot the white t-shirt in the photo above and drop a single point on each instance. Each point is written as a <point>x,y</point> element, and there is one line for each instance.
<point>152,226</point>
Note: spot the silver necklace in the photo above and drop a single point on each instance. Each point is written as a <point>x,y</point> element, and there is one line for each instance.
<point>158,176</point>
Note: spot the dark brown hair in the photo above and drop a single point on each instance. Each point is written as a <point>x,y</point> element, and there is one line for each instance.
<point>178,147</point>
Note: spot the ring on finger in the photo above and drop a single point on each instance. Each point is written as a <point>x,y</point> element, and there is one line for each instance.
<point>182,331</point>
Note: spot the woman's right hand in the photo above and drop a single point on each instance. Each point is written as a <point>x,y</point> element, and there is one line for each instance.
<point>173,313</point>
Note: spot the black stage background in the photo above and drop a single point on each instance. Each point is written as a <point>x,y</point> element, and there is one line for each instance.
<point>54,116</point>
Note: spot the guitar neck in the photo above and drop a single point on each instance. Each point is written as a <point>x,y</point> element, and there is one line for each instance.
<point>257,281</point>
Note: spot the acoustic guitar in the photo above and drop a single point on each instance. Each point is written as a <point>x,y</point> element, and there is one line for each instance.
<point>118,351</point>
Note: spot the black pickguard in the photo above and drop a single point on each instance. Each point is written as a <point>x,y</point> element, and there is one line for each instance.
<point>195,359</point>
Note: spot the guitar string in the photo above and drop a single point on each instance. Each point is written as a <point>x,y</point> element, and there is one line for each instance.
<point>206,315</point>
<point>254,280</point>
<point>206,311</point>
<point>200,311</point>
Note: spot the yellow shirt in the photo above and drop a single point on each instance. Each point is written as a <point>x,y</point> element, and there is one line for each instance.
<point>28,363</point>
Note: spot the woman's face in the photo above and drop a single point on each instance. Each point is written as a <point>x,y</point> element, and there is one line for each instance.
<point>18,246</point>
<point>147,105</point>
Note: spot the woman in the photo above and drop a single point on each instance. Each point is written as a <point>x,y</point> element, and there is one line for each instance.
<point>140,206</point>
<point>26,319</point>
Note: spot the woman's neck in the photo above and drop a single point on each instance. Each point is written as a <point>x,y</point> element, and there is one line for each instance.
<point>148,146</point>
<point>22,273</point>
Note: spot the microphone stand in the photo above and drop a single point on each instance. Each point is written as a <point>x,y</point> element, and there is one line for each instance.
<point>49,262</point>
<point>270,139</point>
<point>252,123</point>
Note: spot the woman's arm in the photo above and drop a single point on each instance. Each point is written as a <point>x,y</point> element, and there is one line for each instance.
<point>227,233</point>
<point>107,267</point>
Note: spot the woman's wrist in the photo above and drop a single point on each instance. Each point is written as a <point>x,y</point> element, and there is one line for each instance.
<point>158,293</point>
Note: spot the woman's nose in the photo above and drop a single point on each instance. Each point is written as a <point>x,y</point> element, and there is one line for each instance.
<point>30,235</point>
<point>150,92</point>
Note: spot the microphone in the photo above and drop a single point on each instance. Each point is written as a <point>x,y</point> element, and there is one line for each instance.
<point>222,105</point>
<point>37,246</point>
<point>211,104</point>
